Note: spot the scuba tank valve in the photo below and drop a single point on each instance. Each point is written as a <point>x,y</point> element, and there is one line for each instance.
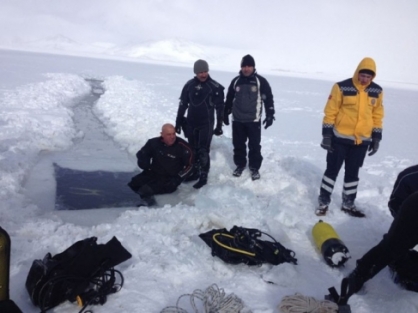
<point>329,243</point>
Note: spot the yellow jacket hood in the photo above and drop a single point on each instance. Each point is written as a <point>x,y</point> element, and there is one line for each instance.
<point>365,64</point>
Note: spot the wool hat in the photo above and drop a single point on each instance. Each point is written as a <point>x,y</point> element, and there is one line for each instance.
<point>366,71</point>
<point>200,66</point>
<point>247,60</point>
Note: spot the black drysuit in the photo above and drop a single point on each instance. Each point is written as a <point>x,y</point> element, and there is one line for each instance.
<point>406,183</point>
<point>164,167</point>
<point>400,238</point>
<point>201,100</point>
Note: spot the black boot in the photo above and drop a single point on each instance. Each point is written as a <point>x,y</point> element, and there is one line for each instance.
<point>203,180</point>
<point>146,196</point>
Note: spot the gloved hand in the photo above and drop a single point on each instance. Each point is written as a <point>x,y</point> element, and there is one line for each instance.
<point>178,129</point>
<point>179,122</point>
<point>268,121</point>
<point>374,146</point>
<point>327,143</point>
<point>218,129</point>
<point>176,180</point>
<point>226,116</point>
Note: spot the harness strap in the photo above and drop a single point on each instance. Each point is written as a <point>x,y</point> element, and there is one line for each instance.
<point>228,247</point>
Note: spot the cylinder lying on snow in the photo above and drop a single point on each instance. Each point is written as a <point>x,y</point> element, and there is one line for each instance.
<point>329,243</point>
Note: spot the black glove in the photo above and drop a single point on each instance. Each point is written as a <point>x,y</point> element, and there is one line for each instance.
<point>226,116</point>
<point>268,121</point>
<point>176,180</point>
<point>218,129</point>
<point>374,146</point>
<point>179,123</point>
<point>327,143</point>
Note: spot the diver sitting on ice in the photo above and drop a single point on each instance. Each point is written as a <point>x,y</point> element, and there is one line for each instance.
<point>166,161</point>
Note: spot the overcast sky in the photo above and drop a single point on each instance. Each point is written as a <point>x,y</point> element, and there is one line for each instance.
<point>296,34</point>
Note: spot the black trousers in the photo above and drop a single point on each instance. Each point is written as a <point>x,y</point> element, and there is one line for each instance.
<point>147,184</point>
<point>353,158</point>
<point>401,237</point>
<point>241,132</point>
<point>200,139</point>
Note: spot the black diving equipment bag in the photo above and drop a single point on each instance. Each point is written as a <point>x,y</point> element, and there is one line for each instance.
<point>243,245</point>
<point>84,273</point>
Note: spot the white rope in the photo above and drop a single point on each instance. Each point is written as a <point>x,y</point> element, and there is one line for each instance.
<point>214,301</point>
<point>302,304</point>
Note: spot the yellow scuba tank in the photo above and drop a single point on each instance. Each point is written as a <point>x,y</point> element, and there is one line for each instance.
<point>329,243</point>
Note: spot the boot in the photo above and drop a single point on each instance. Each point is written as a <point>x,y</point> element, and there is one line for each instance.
<point>323,202</point>
<point>146,201</point>
<point>238,171</point>
<point>348,206</point>
<point>203,180</point>
<point>146,196</point>
<point>254,174</point>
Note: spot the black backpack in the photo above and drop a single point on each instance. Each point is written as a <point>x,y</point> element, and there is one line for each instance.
<point>84,273</point>
<point>242,245</point>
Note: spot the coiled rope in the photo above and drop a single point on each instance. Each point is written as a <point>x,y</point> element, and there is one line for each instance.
<point>214,300</point>
<point>303,304</point>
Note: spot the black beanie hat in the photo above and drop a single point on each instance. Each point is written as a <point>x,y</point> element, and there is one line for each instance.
<point>200,66</point>
<point>366,71</point>
<point>247,60</point>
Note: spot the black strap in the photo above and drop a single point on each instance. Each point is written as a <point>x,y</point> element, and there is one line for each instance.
<point>342,298</point>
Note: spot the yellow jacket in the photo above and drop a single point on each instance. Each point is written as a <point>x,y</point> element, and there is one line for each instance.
<point>354,111</point>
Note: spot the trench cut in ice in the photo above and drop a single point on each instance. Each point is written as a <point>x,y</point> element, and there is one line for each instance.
<point>79,190</point>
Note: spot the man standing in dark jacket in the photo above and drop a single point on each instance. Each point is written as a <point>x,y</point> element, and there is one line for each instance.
<point>201,97</point>
<point>166,161</point>
<point>246,94</point>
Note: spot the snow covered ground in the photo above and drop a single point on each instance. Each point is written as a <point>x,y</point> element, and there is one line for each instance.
<point>39,124</point>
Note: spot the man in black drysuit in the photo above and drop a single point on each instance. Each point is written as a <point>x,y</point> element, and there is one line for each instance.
<point>246,95</point>
<point>166,161</point>
<point>406,183</point>
<point>393,249</point>
<point>201,97</point>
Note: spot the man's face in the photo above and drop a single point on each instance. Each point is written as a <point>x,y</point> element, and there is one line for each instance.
<point>202,76</point>
<point>247,70</point>
<point>169,135</point>
<point>364,79</point>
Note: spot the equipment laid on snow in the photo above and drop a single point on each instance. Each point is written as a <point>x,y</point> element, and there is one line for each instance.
<point>213,300</point>
<point>342,298</point>
<point>6,305</point>
<point>329,243</point>
<point>301,303</point>
<point>405,271</point>
<point>241,245</point>
<point>84,273</point>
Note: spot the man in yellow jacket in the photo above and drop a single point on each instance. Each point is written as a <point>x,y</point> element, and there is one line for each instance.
<point>352,125</point>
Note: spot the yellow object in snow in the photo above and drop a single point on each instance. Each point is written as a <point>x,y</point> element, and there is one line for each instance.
<point>329,243</point>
